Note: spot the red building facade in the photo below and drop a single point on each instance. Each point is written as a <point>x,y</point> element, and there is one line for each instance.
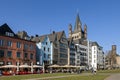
<point>14,49</point>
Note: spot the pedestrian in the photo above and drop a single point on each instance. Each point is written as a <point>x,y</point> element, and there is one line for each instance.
<point>95,70</point>
<point>0,72</point>
<point>10,72</point>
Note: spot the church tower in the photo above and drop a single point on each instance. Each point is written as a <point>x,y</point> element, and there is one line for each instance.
<point>78,34</point>
<point>85,31</point>
<point>70,30</point>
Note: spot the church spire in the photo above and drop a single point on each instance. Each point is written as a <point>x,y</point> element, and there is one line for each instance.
<point>85,31</point>
<point>78,24</point>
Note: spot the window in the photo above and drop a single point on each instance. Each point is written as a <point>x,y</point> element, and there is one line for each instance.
<point>78,61</point>
<point>94,48</point>
<point>78,57</point>
<point>31,56</point>
<point>25,46</point>
<point>44,55</point>
<point>9,54</point>
<point>64,39</point>
<point>94,56</point>
<point>25,55</point>
<point>46,43</point>
<point>49,55</point>
<point>63,50</point>
<point>63,55</point>
<point>9,43</point>
<point>18,45</point>
<point>44,48</point>
<point>18,54</point>
<point>48,49</point>
<point>1,42</point>
<point>63,45</point>
<point>1,53</point>
<point>9,34</point>
<point>31,47</point>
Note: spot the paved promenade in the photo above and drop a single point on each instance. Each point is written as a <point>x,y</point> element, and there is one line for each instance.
<point>47,78</point>
<point>113,77</point>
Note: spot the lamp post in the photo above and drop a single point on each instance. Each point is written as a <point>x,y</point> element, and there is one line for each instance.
<point>31,67</point>
<point>43,67</point>
<point>17,67</point>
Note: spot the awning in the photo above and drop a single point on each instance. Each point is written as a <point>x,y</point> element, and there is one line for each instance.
<point>37,66</point>
<point>9,66</point>
<point>25,66</point>
<point>54,66</point>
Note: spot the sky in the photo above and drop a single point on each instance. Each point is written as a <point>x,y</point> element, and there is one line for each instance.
<point>102,18</point>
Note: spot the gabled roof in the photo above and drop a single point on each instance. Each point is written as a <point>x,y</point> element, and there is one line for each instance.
<point>70,40</point>
<point>38,38</point>
<point>41,38</point>
<point>52,37</point>
<point>59,34</point>
<point>5,28</point>
<point>55,36</point>
<point>35,39</point>
<point>95,44</point>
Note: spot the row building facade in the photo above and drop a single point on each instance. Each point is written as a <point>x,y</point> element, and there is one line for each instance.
<point>14,49</point>
<point>88,53</point>
<point>50,49</point>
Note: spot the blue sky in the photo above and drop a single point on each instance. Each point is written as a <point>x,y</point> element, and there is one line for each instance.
<point>43,16</point>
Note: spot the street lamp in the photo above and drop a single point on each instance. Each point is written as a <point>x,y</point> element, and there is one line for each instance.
<point>38,63</point>
<point>17,67</point>
<point>32,67</point>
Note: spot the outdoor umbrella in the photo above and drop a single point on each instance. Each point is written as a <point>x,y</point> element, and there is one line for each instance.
<point>9,66</point>
<point>24,66</point>
<point>36,66</point>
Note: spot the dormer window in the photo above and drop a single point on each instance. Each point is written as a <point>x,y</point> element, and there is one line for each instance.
<point>9,34</point>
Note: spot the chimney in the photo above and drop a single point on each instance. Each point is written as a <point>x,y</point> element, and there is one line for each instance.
<point>36,35</point>
<point>53,32</point>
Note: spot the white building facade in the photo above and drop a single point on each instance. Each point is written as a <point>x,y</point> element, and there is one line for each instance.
<point>95,55</point>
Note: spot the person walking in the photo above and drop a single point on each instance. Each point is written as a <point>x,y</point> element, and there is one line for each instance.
<point>93,70</point>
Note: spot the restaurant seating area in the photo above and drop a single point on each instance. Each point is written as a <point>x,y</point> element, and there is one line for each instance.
<point>7,73</point>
